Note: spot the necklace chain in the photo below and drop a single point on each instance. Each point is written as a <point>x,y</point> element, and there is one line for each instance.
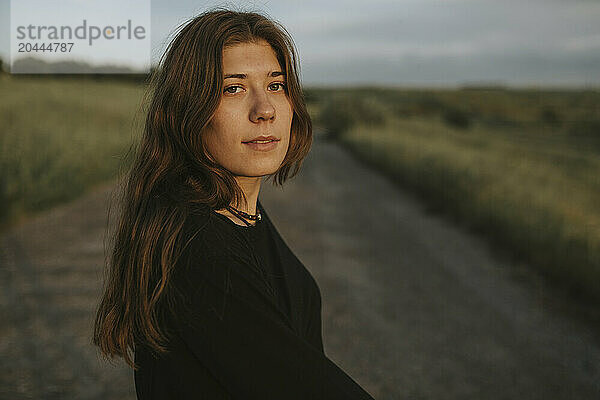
<point>244,215</point>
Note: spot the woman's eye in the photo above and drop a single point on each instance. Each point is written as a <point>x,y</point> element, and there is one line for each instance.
<point>228,90</point>
<point>278,83</point>
<point>274,86</point>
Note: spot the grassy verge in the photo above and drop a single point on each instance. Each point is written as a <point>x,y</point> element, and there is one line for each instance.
<point>527,188</point>
<point>59,137</point>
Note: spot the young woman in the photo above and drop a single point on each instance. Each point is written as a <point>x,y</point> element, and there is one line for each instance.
<point>201,287</point>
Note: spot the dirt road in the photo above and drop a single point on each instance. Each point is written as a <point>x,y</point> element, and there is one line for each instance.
<point>413,307</point>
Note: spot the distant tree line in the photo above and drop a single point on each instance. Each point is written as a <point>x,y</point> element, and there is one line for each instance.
<point>123,77</point>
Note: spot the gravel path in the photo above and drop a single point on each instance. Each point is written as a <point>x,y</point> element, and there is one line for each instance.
<point>416,308</point>
<point>51,271</point>
<point>413,307</point>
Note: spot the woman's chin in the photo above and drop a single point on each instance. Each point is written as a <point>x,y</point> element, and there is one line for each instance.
<point>265,172</point>
<point>265,169</point>
<point>257,172</point>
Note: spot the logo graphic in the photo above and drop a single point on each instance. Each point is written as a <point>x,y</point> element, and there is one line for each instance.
<point>69,36</point>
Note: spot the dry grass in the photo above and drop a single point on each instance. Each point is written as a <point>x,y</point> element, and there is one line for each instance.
<point>539,197</point>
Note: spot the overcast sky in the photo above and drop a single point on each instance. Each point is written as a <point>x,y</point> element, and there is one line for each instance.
<point>418,42</point>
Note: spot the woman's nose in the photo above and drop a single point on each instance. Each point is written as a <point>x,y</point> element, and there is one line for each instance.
<point>262,108</point>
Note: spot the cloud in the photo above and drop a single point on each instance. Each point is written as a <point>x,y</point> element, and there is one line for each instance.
<point>404,41</point>
<point>452,41</point>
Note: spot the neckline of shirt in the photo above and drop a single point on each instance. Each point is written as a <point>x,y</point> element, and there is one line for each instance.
<point>244,227</point>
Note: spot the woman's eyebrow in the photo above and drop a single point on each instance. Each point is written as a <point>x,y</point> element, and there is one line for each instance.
<point>244,76</point>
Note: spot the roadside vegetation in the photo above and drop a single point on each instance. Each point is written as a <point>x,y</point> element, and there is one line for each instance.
<point>59,137</point>
<point>521,167</point>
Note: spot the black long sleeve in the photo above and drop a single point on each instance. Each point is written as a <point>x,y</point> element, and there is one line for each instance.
<point>237,334</point>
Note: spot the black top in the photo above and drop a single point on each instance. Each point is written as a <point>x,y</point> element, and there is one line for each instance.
<point>261,240</point>
<point>252,329</point>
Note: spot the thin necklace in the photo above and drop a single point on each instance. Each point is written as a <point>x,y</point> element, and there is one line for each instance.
<point>244,216</point>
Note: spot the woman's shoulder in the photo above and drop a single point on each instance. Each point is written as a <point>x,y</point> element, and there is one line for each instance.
<point>203,228</point>
<point>207,239</point>
<point>196,224</point>
<point>214,252</point>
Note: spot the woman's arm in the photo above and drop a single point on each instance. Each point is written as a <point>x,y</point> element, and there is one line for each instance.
<point>239,335</point>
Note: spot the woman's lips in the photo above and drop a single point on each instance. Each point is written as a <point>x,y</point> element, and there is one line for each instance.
<point>262,145</point>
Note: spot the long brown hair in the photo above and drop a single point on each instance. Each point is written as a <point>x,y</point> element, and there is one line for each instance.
<point>172,171</point>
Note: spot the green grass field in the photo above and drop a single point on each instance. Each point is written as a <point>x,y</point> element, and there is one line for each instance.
<point>60,137</point>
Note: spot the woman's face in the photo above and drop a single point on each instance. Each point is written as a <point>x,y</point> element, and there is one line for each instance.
<point>253,104</point>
